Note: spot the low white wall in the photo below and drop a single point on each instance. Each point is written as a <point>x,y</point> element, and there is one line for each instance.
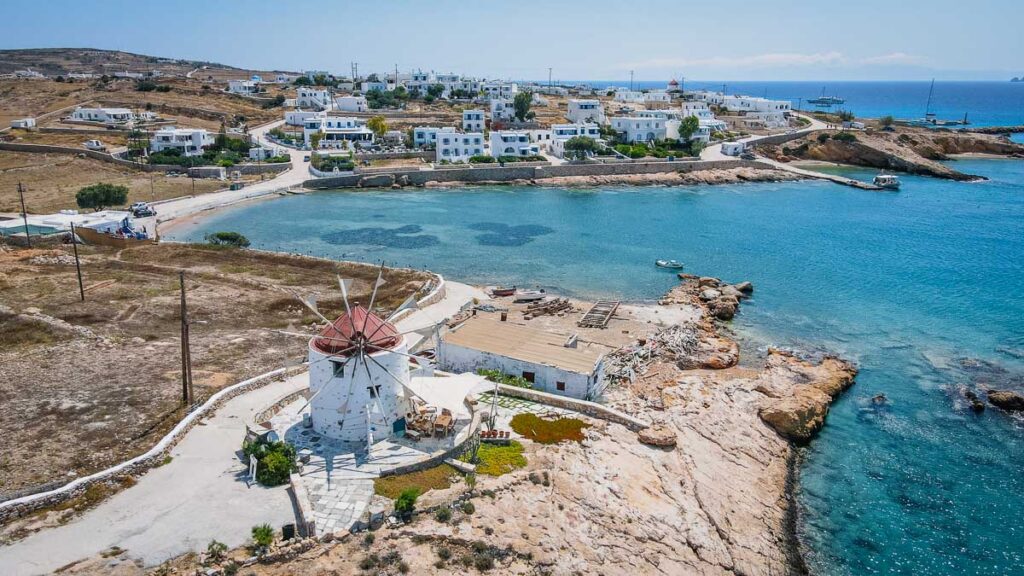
<point>455,358</point>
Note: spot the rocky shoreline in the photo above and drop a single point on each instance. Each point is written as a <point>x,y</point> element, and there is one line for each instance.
<point>911,150</point>
<point>726,176</point>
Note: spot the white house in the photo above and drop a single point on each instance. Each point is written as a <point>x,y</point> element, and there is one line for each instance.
<point>188,141</point>
<point>459,146</point>
<point>368,86</point>
<point>312,74</point>
<point>639,128</point>
<point>501,90</point>
<point>285,78</point>
<point>555,363</point>
<point>427,135</point>
<point>503,109</point>
<point>562,133</point>
<point>314,98</point>
<point>299,117</point>
<point>512,143</point>
<point>351,104</point>
<point>243,87</point>
<point>708,123</point>
<point>733,148</point>
<point>262,153</point>
<point>473,120</point>
<point>657,99</point>
<point>755,104</point>
<point>23,123</point>
<point>585,111</point>
<point>335,130</point>
<point>629,96</point>
<point>103,115</point>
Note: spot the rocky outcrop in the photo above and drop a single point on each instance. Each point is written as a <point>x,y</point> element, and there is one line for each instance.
<point>797,412</point>
<point>657,435</point>
<point>720,299</point>
<point>377,181</point>
<point>717,176</point>
<point>1007,400</point>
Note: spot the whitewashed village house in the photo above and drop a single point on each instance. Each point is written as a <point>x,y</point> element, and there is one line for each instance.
<point>562,133</point>
<point>584,110</point>
<point>243,87</point>
<point>512,143</point>
<point>458,146</point>
<point>351,104</point>
<point>473,120</point>
<point>639,128</point>
<point>103,115</point>
<point>187,141</point>
<point>337,131</point>
<point>314,98</point>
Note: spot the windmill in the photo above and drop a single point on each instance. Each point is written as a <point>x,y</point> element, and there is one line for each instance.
<point>359,369</point>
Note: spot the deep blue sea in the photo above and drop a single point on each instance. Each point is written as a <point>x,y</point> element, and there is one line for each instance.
<point>921,287</point>
<point>985,103</point>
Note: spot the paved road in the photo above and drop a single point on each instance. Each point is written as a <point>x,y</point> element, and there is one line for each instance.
<point>175,508</point>
<point>296,175</point>
<point>714,151</point>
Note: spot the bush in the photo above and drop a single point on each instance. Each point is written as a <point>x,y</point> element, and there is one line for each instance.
<point>368,539</point>
<point>502,378</point>
<point>444,553</point>
<point>823,137</point>
<point>215,550</point>
<point>548,431</point>
<point>263,535</point>
<point>405,504</point>
<point>276,102</point>
<point>845,137</point>
<point>482,159</point>
<point>483,561</point>
<point>494,460</point>
<point>274,461</point>
<point>443,514</point>
<point>230,239</point>
<point>468,508</point>
<point>100,196</point>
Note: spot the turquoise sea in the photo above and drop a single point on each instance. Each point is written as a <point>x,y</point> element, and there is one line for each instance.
<point>920,287</point>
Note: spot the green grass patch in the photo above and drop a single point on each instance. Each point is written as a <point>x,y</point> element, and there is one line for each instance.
<point>494,460</point>
<point>548,431</point>
<point>436,478</point>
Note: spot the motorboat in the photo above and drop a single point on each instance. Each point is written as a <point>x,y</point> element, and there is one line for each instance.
<point>529,295</point>
<point>669,264</point>
<point>887,181</point>
<point>502,291</point>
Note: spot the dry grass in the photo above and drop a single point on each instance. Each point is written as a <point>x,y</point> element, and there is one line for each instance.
<point>436,478</point>
<point>548,431</point>
<point>52,180</point>
<point>110,138</point>
<point>112,396</point>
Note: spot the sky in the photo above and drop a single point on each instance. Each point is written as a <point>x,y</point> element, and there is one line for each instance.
<point>578,40</point>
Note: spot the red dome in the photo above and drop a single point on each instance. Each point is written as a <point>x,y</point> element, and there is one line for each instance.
<point>351,329</point>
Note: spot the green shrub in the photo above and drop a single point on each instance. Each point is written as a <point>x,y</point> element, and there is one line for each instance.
<point>274,461</point>
<point>502,378</point>
<point>405,504</point>
<point>480,159</point>
<point>548,431</point>
<point>823,137</point>
<point>102,195</point>
<point>443,514</point>
<point>468,508</point>
<point>845,137</point>
<point>263,535</point>
<point>230,239</point>
<point>444,553</point>
<point>495,460</point>
<point>483,561</point>
<point>215,550</point>
<point>368,539</point>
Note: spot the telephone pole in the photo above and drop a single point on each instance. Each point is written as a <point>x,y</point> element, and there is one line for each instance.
<point>78,266</point>
<point>186,353</point>
<point>630,80</point>
<point>24,215</point>
<point>549,77</point>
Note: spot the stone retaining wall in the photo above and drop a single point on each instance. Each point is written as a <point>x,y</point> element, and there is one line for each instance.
<point>512,173</point>
<point>107,157</point>
<point>592,409</point>
<point>19,507</point>
<point>424,154</point>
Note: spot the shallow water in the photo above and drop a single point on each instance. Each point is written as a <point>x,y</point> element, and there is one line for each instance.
<point>908,284</point>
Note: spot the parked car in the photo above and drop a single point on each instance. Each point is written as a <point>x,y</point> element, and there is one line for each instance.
<point>95,145</point>
<point>305,158</point>
<point>747,156</point>
<point>142,210</point>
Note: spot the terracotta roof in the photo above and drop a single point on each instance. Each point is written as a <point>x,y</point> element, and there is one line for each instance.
<point>527,344</point>
<point>349,329</point>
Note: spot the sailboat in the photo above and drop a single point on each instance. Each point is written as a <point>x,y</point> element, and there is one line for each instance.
<point>930,119</point>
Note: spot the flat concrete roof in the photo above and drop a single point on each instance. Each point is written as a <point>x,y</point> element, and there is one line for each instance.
<point>527,344</point>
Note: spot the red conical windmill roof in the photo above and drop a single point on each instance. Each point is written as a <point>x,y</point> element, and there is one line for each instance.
<point>351,329</point>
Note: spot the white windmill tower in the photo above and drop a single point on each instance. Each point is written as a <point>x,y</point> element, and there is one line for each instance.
<point>359,373</point>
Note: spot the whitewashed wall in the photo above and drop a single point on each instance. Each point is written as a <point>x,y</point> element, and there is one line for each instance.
<point>456,359</point>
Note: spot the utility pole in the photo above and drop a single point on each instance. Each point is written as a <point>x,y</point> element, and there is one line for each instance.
<point>186,353</point>
<point>630,80</point>
<point>24,215</point>
<point>152,191</point>
<point>549,77</point>
<point>78,266</point>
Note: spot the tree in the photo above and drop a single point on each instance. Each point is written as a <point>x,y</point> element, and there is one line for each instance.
<point>302,81</point>
<point>688,127</point>
<point>522,103</point>
<point>99,196</point>
<point>232,239</point>
<point>405,504</point>
<point>887,121</point>
<point>845,115</point>
<point>314,140</point>
<point>435,90</point>
<point>579,147</point>
<point>263,535</point>
<point>378,124</point>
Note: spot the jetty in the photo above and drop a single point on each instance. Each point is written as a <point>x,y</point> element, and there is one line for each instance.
<point>820,175</point>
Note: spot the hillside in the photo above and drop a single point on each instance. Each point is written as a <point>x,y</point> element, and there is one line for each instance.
<point>55,61</point>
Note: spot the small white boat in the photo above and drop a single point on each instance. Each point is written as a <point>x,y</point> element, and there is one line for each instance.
<point>887,181</point>
<point>529,295</point>
<point>670,264</point>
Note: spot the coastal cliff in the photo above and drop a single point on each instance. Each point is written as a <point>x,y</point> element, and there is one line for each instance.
<point>910,150</point>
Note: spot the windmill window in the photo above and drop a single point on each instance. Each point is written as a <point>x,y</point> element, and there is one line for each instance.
<point>339,369</point>
<point>374,391</point>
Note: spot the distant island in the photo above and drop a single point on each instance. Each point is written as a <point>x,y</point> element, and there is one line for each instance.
<point>1015,79</point>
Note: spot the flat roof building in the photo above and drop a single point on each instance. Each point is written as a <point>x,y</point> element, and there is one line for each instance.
<point>555,363</point>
